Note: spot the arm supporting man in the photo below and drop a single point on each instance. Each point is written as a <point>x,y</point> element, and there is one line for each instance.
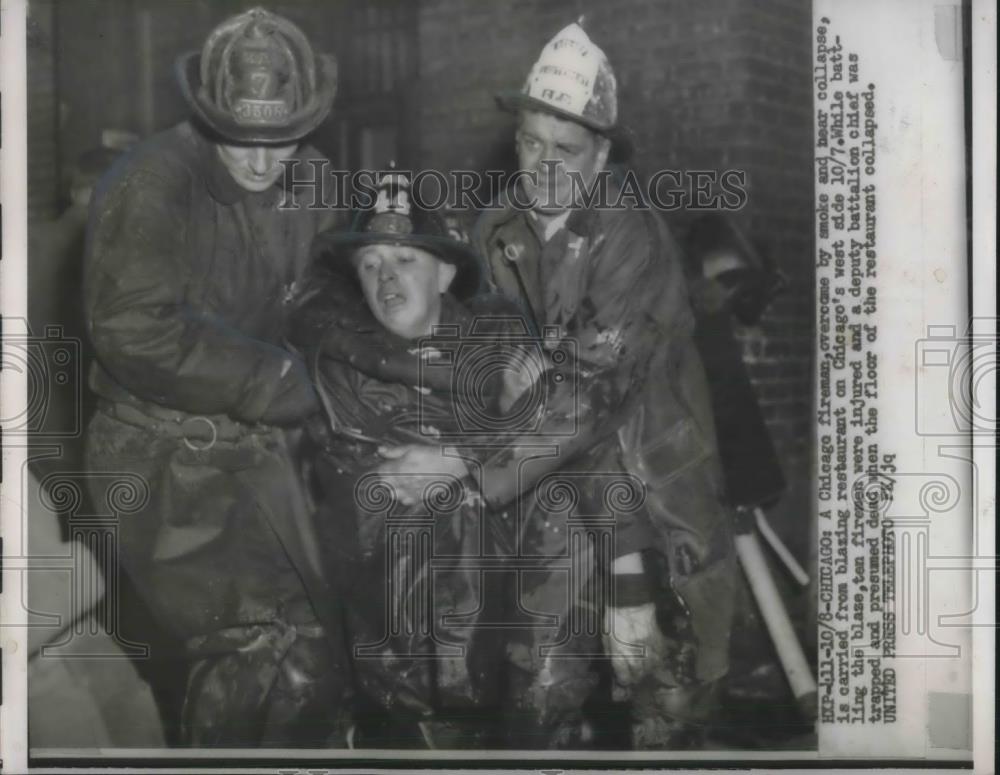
<point>149,338</point>
<point>634,305</point>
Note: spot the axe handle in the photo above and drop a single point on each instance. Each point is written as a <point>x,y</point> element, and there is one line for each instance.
<point>779,626</point>
<point>779,548</point>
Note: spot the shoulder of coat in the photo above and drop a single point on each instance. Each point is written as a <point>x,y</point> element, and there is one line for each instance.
<point>493,217</point>
<point>166,160</point>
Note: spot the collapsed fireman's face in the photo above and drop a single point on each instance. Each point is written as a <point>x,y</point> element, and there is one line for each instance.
<point>403,287</point>
<point>255,167</point>
<point>556,150</point>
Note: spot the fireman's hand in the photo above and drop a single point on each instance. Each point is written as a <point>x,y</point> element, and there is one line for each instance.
<point>633,641</point>
<point>409,468</point>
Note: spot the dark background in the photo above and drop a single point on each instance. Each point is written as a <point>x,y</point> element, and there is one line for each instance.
<point>706,84</point>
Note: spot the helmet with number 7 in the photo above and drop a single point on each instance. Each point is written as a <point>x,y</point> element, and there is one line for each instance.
<point>257,81</point>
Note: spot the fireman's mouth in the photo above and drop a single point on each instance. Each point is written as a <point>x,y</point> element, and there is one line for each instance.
<point>391,300</point>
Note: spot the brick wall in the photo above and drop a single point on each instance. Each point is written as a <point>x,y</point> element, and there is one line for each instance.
<point>713,84</point>
<point>113,66</point>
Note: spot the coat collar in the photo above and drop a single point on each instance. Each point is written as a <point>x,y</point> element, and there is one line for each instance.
<point>582,222</point>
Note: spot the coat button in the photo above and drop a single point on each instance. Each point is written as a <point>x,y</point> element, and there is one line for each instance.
<point>513,251</point>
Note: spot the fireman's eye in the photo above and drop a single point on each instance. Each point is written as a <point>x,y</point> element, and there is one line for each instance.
<point>529,143</point>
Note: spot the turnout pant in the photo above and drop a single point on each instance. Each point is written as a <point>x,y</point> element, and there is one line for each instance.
<point>206,535</point>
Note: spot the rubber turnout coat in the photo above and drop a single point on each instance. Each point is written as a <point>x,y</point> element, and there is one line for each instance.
<point>411,575</point>
<point>611,282</point>
<point>186,282</point>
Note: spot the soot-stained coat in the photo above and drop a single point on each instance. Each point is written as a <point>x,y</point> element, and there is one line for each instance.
<point>610,283</point>
<point>187,279</point>
<point>410,575</point>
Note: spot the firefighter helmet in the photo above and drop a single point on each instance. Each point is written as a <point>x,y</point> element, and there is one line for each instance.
<point>257,81</point>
